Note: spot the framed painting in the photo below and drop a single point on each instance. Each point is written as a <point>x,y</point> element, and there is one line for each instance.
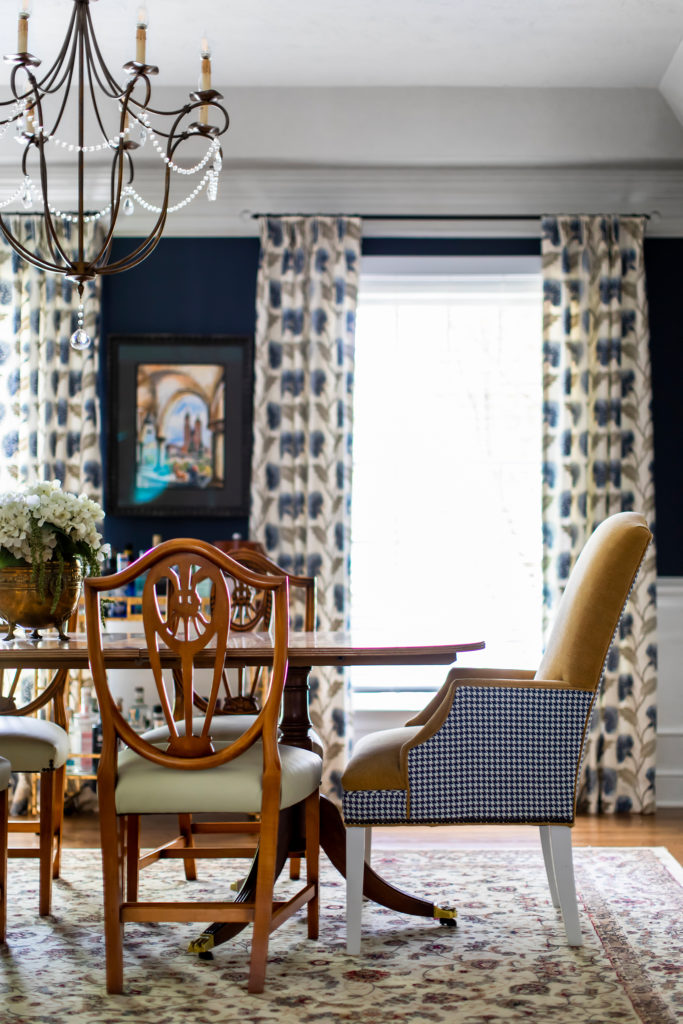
<point>180,425</point>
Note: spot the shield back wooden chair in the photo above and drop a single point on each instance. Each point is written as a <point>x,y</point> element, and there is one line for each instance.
<point>502,746</point>
<point>38,746</point>
<point>251,610</point>
<point>192,770</point>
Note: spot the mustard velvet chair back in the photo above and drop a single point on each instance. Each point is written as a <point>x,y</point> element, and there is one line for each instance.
<point>594,598</point>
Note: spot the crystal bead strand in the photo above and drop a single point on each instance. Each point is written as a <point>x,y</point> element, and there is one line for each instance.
<point>79,339</point>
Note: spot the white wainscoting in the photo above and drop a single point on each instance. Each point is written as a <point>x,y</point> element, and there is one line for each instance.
<point>669,696</point>
<point>670,692</point>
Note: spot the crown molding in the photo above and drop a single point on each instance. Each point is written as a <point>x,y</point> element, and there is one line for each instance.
<point>393,193</point>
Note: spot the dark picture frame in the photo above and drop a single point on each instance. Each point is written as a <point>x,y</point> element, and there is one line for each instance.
<point>180,424</point>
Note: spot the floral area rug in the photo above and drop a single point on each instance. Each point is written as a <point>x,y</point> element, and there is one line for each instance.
<point>506,961</point>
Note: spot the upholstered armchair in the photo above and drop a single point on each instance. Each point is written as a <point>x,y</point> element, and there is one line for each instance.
<point>503,747</point>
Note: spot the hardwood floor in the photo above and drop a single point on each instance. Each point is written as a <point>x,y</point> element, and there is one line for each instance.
<point>665,828</point>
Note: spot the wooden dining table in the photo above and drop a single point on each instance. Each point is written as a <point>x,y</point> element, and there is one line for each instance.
<point>306,651</point>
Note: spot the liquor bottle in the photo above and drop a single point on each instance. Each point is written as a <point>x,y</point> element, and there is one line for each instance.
<point>82,734</point>
<point>139,714</point>
<point>96,732</point>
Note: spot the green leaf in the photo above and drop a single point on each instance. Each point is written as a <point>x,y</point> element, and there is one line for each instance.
<point>8,560</point>
<point>628,715</point>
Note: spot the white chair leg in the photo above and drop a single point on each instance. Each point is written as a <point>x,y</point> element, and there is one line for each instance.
<point>561,848</point>
<point>549,867</point>
<point>368,846</point>
<point>355,864</point>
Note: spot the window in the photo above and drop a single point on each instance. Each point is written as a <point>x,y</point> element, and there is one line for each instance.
<point>446,516</point>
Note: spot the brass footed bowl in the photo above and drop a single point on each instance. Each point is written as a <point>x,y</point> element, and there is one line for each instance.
<point>22,605</point>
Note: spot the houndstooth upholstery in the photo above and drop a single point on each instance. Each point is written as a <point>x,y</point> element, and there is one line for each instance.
<point>375,806</point>
<point>504,754</point>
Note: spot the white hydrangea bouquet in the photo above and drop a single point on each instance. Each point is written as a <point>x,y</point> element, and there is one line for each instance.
<point>41,523</point>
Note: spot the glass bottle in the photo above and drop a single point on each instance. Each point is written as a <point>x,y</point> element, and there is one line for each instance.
<point>139,714</point>
<point>83,722</point>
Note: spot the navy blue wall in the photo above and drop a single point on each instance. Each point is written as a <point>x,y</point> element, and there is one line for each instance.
<point>664,272</point>
<point>187,286</point>
<point>208,286</point>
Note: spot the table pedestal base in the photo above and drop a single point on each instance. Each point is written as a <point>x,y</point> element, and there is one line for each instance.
<point>333,842</point>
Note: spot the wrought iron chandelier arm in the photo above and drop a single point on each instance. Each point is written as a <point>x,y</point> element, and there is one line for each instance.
<point>144,249</point>
<point>51,235</point>
<point>141,253</point>
<point>98,262</point>
<point>55,247</point>
<point>93,47</point>
<point>68,79</point>
<point>45,83</point>
<point>93,77</point>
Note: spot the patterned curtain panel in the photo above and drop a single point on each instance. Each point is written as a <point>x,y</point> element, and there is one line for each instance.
<point>49,416</point>
<point>303,391</point>
<point>598,460</point>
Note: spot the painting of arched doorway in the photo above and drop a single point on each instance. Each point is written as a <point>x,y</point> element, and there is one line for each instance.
<point>184,444</point>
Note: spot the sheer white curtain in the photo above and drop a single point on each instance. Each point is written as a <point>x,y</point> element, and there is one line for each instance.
<point>446,475</point>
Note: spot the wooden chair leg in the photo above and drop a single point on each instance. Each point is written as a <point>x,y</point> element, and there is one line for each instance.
<point>4,812</point>
<point>312,860</point>
<point>111,877</point>
<point>265,882</point>
<point>47,835</point>
<point>295,868</point>
<point>132,856</point>
<point>355,866</point>
<point>60,785</point>
<point>185,826</point>
<point>561,846</point>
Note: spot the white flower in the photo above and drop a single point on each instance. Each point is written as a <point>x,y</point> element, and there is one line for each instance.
<point>41,521</point>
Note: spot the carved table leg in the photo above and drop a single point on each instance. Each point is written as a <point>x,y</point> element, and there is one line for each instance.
<point>221,932</point>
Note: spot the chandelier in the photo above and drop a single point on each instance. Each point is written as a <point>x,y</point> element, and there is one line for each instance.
<point>79,106</point>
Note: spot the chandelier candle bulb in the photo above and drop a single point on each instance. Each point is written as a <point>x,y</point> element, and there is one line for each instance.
<point>22,34</point>
<point>141,36</point>
<point>205,78</point>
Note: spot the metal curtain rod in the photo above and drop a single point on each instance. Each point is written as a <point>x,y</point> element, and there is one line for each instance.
<point>437,216</point>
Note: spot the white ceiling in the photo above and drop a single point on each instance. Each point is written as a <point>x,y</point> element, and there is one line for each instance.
<point>530,43</point>
<point>386,107</point>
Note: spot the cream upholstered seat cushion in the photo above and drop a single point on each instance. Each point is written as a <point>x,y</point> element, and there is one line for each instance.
<point>5,772</point>
<point>144,787</point>
<point>224,728</point>
<point>32,744</point>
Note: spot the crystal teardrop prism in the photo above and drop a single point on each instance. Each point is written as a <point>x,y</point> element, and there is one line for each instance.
<point>27,197</point>
<point>128,206</point>
<point>80,340</point>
